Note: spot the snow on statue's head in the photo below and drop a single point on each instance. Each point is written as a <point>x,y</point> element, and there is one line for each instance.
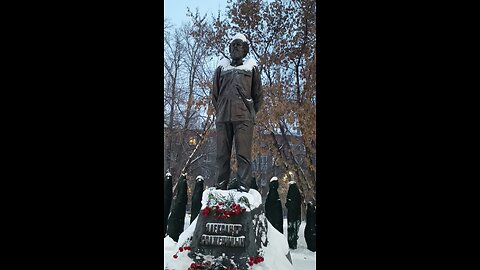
<point>238,39</point>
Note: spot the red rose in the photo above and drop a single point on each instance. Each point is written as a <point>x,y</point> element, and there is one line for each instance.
<point>250,263</point>
<point>175,256</point>
<point>251,258</point>
<point>181,249</point>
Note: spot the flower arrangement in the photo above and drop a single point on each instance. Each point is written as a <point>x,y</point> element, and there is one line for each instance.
<point>208,265</point>
<point>221,207</point>
<point>185,246</point>
<point>255,260</point>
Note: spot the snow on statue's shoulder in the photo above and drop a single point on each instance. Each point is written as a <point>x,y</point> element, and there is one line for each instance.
<point>247,65</point>
<point>224,63</point>
<point>254,198</point>
<point>168,174</point>
<point>274,179</point>
<point>199,178</point>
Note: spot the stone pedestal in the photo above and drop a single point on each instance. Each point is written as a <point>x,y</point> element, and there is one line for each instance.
<point>233,240</point>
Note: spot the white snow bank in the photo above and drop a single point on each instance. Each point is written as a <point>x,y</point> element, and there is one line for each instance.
<point>254,198</point>
<point>247,65</point>
<point>302,258</point>
<point>275,252</point>
<point>171,247</point>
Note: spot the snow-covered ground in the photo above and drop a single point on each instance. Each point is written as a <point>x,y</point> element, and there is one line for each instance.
<point>302,258</point>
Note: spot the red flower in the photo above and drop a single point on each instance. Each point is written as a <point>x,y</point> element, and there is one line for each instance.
<point>220,203</point>
<point>175,256</point>
<point>206,211</point>
<point>251,258</point>
<point>181,249</point>
<point>193,265</point>
<point>250,263</point>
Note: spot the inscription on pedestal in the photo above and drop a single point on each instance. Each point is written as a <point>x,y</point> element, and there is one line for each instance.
<point>223,229</point>
<point>222,240</point>
<point>222,234</point>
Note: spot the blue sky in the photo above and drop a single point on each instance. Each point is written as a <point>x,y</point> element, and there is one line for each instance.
<point>176,10</point>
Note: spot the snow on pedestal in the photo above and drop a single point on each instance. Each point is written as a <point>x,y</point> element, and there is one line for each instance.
<point>217,240</point>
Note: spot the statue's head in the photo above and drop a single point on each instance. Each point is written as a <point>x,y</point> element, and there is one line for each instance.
<point>238,47</point>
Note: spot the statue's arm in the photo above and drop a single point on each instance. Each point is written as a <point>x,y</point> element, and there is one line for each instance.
<point>216,86</point>
<point>257,92</point>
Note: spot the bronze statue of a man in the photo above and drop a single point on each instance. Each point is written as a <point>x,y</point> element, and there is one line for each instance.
<point>237,97</point>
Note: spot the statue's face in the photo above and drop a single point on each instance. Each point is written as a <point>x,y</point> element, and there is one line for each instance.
<point>237,50</point>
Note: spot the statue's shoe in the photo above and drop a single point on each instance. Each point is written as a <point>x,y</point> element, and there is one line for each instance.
<point>238,185</point>
<point>242,188</point>
<point>222,185</point>
<point>234,184</point>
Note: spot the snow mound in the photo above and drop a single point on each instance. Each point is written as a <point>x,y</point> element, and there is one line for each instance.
<point>254,198</point>
<point>247,65</point>
<point>171,247</point>
<point>292,182</point>
<point>274,179</point>
<point>275,252</point>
